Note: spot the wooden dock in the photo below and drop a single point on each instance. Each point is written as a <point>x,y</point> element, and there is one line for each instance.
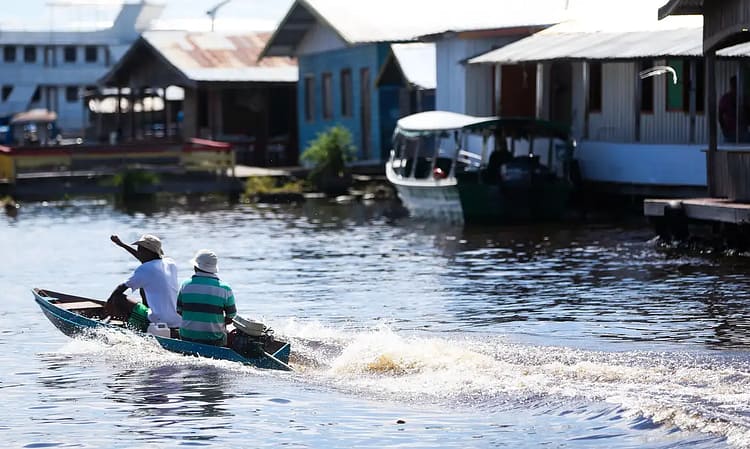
<point>716,223</point>
<point>704,209</point>
<point>195,166</point>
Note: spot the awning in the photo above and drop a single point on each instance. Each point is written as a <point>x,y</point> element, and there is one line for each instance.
<point>34,115</point>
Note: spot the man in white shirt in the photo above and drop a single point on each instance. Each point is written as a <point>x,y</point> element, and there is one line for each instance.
<point>156,278</point>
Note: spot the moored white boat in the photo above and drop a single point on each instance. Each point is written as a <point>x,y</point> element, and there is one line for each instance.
<point>460,168</point>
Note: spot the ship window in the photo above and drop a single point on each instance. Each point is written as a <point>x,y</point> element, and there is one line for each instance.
<point>71,94</point>
<point>9,54</point>
<point>37,95</point>
<point>69,54</point>
<point>6,91</point>
<point>91,53</point>
<point>29,54</point>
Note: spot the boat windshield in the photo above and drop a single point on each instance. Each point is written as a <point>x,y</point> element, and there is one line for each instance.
<point>438,154</point>
<point>479,144</point>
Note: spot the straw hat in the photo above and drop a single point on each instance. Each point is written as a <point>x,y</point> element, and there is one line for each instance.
<point>150,242</point>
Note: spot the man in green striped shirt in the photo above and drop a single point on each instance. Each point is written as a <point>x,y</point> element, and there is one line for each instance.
<point>205,303</point>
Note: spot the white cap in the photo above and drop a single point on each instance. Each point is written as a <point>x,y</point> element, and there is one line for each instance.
<point>206,260</point>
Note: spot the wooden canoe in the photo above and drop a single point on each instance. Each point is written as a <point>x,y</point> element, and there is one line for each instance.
<point>74,315</point>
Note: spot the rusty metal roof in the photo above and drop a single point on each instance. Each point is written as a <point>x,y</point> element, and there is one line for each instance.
<point>209,56</point>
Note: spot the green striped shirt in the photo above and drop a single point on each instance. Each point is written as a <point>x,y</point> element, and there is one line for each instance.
<point>206,304</point>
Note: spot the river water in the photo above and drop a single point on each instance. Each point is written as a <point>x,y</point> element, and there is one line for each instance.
<point>404,334</point>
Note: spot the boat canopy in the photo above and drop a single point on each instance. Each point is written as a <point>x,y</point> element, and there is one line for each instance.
<point>432,122</point>
<point>34,115</point>
<point>435,121</point>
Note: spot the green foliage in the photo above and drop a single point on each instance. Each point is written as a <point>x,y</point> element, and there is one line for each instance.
<point>268,184</point>
<point>131,182</point>
<point>329,153</point>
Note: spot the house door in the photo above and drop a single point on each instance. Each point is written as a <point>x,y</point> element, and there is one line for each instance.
<point>561,92</point>
<point>365,112</point>
<point>518,91</point>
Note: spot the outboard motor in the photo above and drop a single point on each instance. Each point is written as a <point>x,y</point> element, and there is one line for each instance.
<point>249,338</point>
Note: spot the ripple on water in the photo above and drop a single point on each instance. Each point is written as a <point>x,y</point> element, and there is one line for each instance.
<point>575,335</point>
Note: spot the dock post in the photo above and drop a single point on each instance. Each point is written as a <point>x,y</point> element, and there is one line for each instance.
<point>712,131</point>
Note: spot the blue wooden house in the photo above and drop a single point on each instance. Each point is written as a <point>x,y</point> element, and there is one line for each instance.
<point>341,53</point>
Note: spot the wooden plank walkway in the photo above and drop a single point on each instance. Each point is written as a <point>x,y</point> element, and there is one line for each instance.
<point>704,209</point>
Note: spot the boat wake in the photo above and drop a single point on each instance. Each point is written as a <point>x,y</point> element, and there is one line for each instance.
<point>693,392</point>
<point>127,350</point>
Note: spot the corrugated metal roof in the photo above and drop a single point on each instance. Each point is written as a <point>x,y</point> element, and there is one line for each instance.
<point>418,63</point>
<point>357,22</point>
<point>221,57</point>
<point>395,20</point>
<point>595,39</point>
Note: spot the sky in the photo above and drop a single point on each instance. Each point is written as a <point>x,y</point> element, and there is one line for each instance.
<point>178,14</point>
<point>236,15</point>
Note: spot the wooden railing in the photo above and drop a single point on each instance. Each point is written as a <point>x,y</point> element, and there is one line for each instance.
<point>208,155</point>
<point>195,155</point>
<point>730,177</point>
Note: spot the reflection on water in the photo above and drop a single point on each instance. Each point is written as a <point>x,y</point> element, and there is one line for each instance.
<point>165,390</point>
<point>570,334</point>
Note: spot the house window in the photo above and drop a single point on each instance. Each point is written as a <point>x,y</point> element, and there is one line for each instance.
<point>346,93</point>
<point>700,85</point>
<point>91,53</point>
<point>9,54</point>
<point>6,91</point>
<point>678,93</point>
<point>595,87</point>
<point>69,54</point>
<point>327,96</point>
<point>37,95</point>
<point>309,98</point>
<point>29,54</point>
<point>71,94</point>
<point>647,89</point>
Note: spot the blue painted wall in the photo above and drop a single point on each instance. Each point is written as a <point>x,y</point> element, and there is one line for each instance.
<point>383,105</point>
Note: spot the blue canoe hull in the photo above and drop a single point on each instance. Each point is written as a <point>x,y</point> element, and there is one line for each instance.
<point>73,324</point>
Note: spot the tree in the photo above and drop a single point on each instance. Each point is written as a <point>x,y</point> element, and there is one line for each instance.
<point>329,154</point>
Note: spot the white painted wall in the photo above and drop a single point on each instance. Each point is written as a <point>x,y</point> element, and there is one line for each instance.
<point>461,87</point>
<point>648,164</point>
<point>664,156</point>
<point>616,121</point>
<point>578,101</point>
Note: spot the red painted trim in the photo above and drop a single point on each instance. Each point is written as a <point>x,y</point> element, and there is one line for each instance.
<point>195,144</point>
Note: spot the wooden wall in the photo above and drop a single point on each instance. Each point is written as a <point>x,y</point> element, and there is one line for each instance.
<point>724,22</point>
